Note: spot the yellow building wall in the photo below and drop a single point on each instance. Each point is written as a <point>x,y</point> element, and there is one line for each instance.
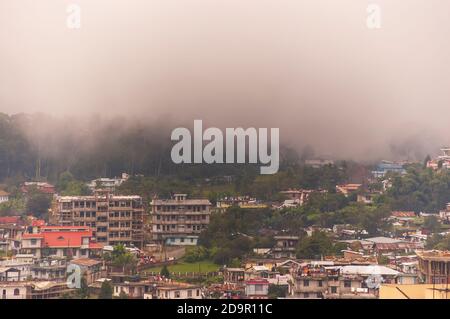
<point>421,291</point>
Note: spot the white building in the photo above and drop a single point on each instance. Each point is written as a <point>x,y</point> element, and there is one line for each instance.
<point>14,290</point>
<point>177,291</point>
<point>4,196</point>
<point>257,288</point>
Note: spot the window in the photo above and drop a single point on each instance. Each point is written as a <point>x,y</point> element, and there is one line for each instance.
<point>198,292</point>
<point>16,292</point>
<point>177,294</point>
<point>333,290</point>
<point>347,283</point>
<point>320,283</point>
<point>189,293</point>
<point>33,242</point>
<point>306,283</point>
<point>306,295</point>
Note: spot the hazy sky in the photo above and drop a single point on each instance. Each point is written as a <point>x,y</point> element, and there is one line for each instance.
<point>312,68</point>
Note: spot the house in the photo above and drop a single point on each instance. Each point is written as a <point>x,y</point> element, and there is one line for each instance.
<point>285,246</point>
<point>41,187</point>
<point>33,290</point>
<point>298,196</point>
<point>442,161</point>
<point>257,288</point>
<point>367,197</point>
<point>176,291</point>
<point>36,225</point>
<point>133,290</point>
<point>109,184</point>
<point>317,163</point>
<point>15,290</point>
<point>403,214</point>
<point>245,202</point>
<point>234,276</point>
<point>384,245</point>
<point>15,269</point>
<point>49,269</point>
<point>387,166</point>
<point>48,290</point>
<point>268,263</point>
<point>60,241</point>
<point>346,189</point>
<point>339,282</point>
<point>10,274</point>
<point>4,196</point>
<point>360,244</point>
<point>11,220</point>
<point>91,269</point>
<point>434,266</point>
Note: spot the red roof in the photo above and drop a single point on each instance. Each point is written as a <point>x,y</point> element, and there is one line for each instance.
<point>10,220</point>
<point>65,228</point>
<point>95,246</point>
<point>403,214</point>
<point>257,282</point>
<point>38,223</point>
<point>45,188</point>
<point>63,239</point>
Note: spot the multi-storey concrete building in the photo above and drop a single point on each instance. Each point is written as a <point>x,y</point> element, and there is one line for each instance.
<point>113,219</point>
<point>340,282</point>
<point>179,221</point>
<point>434,266</point>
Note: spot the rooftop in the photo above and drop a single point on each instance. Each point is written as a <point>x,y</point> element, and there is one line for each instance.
<point>435,255</point>
<point>383,240</point>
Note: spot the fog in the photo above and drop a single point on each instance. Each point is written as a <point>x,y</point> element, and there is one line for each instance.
<point>312,68</point>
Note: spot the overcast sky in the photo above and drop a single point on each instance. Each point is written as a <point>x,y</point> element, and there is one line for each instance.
<point>312,68</point>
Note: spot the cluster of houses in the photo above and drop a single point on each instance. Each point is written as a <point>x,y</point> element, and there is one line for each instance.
<point>353,276</point>
<point>37,254</point>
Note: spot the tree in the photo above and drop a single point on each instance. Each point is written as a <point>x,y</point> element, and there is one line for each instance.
<point>38,204</point>
<point>165,272</point>
<point>106,290</point>
<point>432,224</point>
<point>83,292</point>
<point>123,295</point>
<point>120,257</point>
<point>427,159</point>
<point>276,291</point>
<point>196,253</point>
<point>315,246</point>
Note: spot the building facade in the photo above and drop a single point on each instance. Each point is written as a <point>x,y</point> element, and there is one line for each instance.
<point>113,219</point>
<point>179,221</point>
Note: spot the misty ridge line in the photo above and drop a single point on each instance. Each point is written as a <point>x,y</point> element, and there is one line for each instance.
<point>72,138</point>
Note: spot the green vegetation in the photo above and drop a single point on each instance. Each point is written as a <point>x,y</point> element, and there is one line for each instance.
<point>318,245</point>
<point>201,266</point>
<point>420,190</point>
<point>276,291</point>
<point>120,257</point>
<point>106,290</point>
<point>67,185</point>
<point>439,242</point>
<point>83,291</point>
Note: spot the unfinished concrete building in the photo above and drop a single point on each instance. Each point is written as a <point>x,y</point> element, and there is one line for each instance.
<point>113,219</point>
<point>179,221</point>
